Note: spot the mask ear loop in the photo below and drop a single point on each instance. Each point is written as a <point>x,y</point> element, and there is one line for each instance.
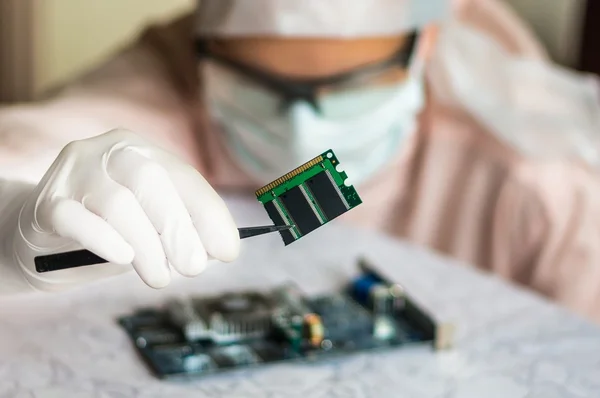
<point>420,55</point>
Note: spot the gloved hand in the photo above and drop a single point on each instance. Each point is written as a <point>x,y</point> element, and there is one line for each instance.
<point>128,202</point>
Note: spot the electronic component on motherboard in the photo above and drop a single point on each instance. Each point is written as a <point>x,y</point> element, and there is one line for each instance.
<point>198,336</point>
<point>342,317</point>
<point>296,320</point>
<point>314,329</point>
<point>369,285</point>
<point>183,314</point>
<point>308,196</point>
<point>198,363</point>
<point>382,297</point>
<point>235,355</point>
<point>228,318</point>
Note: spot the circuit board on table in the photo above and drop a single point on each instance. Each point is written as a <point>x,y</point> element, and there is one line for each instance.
<point>201,336</point>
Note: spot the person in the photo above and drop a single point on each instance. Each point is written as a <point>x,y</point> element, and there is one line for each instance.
<point>456,129</point>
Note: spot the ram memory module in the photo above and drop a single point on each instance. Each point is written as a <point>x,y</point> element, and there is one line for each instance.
<point>309,196</point>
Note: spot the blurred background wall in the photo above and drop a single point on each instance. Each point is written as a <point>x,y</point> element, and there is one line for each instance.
<point>557,23</point>
<point>45,42</point>
<point>79,33</point>
<point>57,39</point>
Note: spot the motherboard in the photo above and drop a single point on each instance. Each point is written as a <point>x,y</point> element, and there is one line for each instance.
<point>198,336</point>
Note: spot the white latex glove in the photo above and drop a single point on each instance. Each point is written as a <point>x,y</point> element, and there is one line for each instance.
<point>128,202</point>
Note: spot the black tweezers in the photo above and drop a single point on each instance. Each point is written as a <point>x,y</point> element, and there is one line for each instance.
<point>81,258</point>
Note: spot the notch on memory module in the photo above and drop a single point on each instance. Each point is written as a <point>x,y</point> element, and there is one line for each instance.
<point>308,196</point>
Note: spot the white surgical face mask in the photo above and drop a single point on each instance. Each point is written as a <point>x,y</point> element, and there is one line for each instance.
<point>365,128</point>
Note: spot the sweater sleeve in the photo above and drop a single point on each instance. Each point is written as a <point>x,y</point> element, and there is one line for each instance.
<point>547,233</point>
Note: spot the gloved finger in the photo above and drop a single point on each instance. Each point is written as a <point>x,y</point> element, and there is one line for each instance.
<point>119,207</point>
<point>210,215</point>
<point>155,192</point>
<point>70,219</point>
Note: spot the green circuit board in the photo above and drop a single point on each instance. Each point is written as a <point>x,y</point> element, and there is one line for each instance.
<point>309,196</point>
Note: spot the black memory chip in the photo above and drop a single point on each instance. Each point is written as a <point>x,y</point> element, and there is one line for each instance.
<point>327,196</point>
<point>276,217</point>
<point>302,213</point>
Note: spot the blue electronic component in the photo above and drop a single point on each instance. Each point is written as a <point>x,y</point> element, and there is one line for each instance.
<point>362,286</point>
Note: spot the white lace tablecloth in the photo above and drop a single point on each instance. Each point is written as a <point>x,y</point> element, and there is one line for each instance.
<point>510,343</point>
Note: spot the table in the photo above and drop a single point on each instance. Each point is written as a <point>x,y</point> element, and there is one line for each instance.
<point>510,343</point>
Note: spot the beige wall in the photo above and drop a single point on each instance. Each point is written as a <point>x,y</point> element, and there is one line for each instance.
<point>557,23</point>
<point>76,34</point>
<point>73,35</point>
